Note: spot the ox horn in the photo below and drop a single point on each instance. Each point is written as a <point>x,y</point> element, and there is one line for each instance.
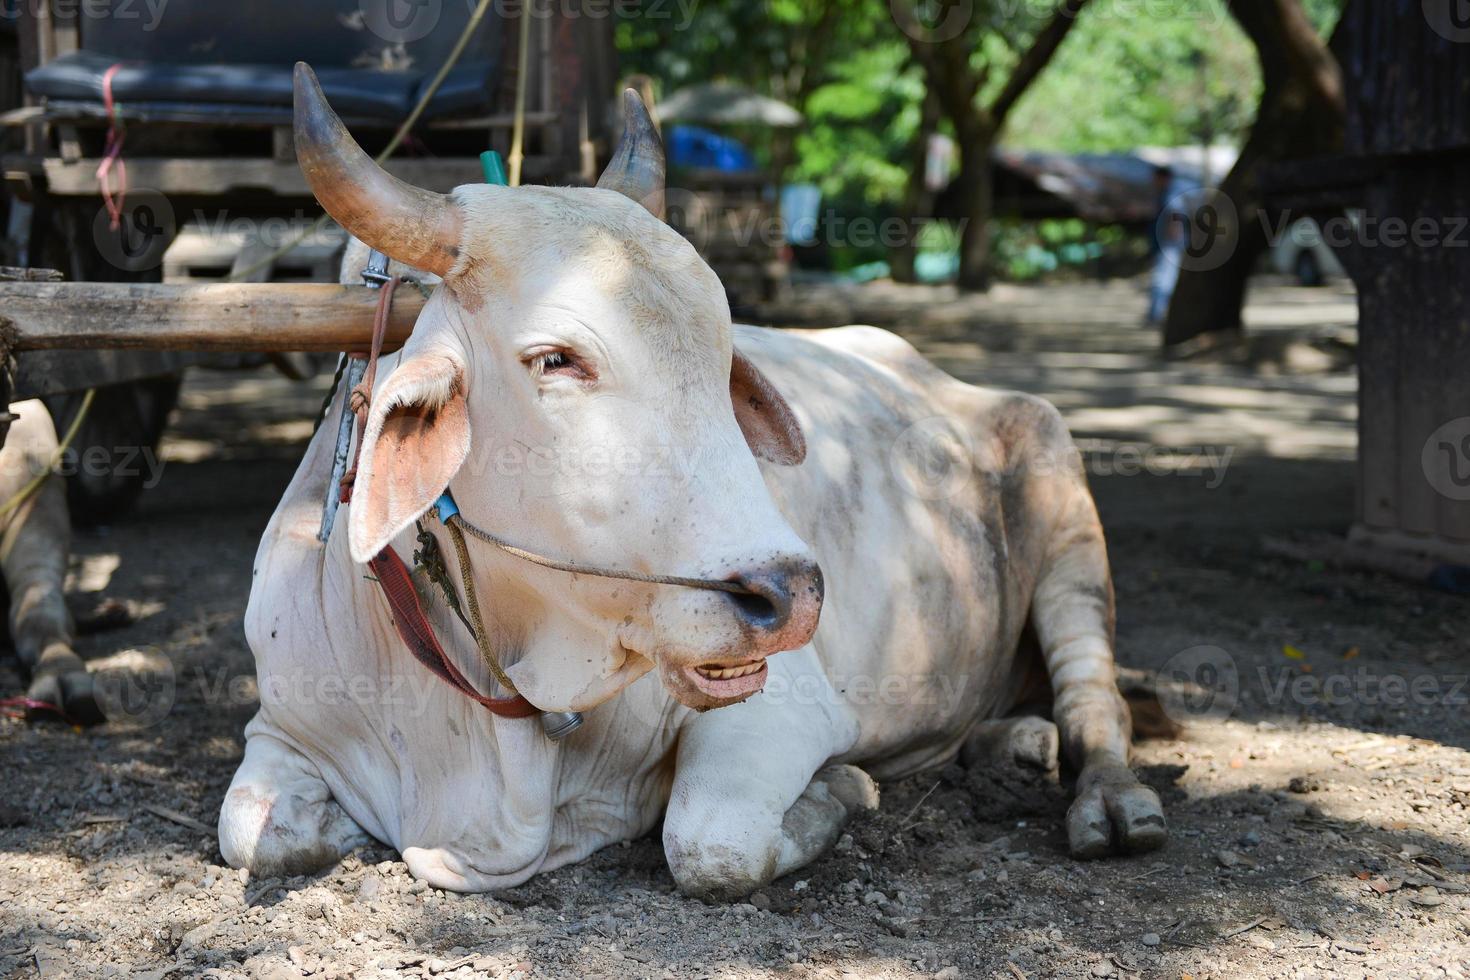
<point>414,226</point>
<point>637,167</point>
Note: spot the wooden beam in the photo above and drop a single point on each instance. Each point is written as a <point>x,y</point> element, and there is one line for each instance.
<point>184,176</point>
<point>209,177</point>
<point>211,317</point>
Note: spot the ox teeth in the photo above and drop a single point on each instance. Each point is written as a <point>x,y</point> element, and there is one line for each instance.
<point>725,673</point>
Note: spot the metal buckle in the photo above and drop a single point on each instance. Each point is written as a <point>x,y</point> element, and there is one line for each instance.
<point>376,272</point>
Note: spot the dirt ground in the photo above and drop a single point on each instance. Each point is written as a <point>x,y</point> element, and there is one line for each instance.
<point>1317,791</point>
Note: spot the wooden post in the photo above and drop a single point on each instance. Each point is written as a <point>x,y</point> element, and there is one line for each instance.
<point>212,317</point>
<point>1406,82</point>
<point>8,343</point>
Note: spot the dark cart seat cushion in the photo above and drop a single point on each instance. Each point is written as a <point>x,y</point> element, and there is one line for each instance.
<point>391,95</point>
<point>213,53</point>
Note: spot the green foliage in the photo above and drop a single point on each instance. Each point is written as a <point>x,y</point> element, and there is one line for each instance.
<point>859,126</point>
<point>1131,73</point>
<point>1120,83</point>
<point>1029,250</point>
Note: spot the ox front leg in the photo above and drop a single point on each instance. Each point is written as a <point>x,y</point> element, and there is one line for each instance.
<point>33,557</point>
<point>1073,613</point>
<point>753,796</point>
<point>279,818</point>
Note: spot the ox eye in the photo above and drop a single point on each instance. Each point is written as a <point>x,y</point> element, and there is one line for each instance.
<point>557,362</point>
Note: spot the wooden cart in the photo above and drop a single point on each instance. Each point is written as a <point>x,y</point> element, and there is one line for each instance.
<point>202,98</point>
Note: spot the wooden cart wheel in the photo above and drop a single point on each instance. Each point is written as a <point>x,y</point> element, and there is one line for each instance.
<point>105,473</point>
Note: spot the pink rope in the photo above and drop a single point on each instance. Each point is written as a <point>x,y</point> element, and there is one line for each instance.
<point>8,707</point>
<point>112,154</point>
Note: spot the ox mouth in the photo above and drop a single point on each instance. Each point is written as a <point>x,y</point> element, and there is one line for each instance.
<point>724,682</point>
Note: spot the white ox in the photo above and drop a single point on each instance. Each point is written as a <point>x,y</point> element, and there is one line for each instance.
<point>573,326</point>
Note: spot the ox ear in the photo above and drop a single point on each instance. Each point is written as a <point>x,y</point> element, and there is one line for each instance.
<point>417,437</point>
<point>769,425</point>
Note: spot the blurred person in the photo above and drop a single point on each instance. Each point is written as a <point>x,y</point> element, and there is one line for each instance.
<point>1166,243</point>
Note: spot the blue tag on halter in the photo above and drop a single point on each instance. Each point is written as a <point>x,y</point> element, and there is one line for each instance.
<point>446,507</point>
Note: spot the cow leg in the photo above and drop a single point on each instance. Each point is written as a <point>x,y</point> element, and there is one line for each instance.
<point>753,798</point>
<point>278,818</point>
<point>1022,744</point>
<point>1072,611</point>
<point>33,558</point>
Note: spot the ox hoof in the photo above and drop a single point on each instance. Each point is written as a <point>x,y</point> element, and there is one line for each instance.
<point>850,786</point>
<point>72,691</point>
<point>1025,743</point>
<point>717,873</point>
<point>1114,813</point>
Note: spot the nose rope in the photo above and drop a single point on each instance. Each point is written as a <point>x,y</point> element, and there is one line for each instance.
<point>449,514</point>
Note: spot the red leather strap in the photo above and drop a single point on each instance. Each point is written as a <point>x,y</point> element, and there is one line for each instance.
<point>391,573</point>
<point>418,635</point>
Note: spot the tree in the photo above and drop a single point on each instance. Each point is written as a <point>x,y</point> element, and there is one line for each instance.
<point>782,48</point>
<point>1301,114</point>
<point>964,48</point>
<point>918,200</point>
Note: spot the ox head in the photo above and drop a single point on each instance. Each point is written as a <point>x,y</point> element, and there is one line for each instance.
<point>574,383</point>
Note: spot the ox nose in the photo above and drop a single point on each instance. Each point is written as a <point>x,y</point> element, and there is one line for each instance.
<point>782,597</point>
